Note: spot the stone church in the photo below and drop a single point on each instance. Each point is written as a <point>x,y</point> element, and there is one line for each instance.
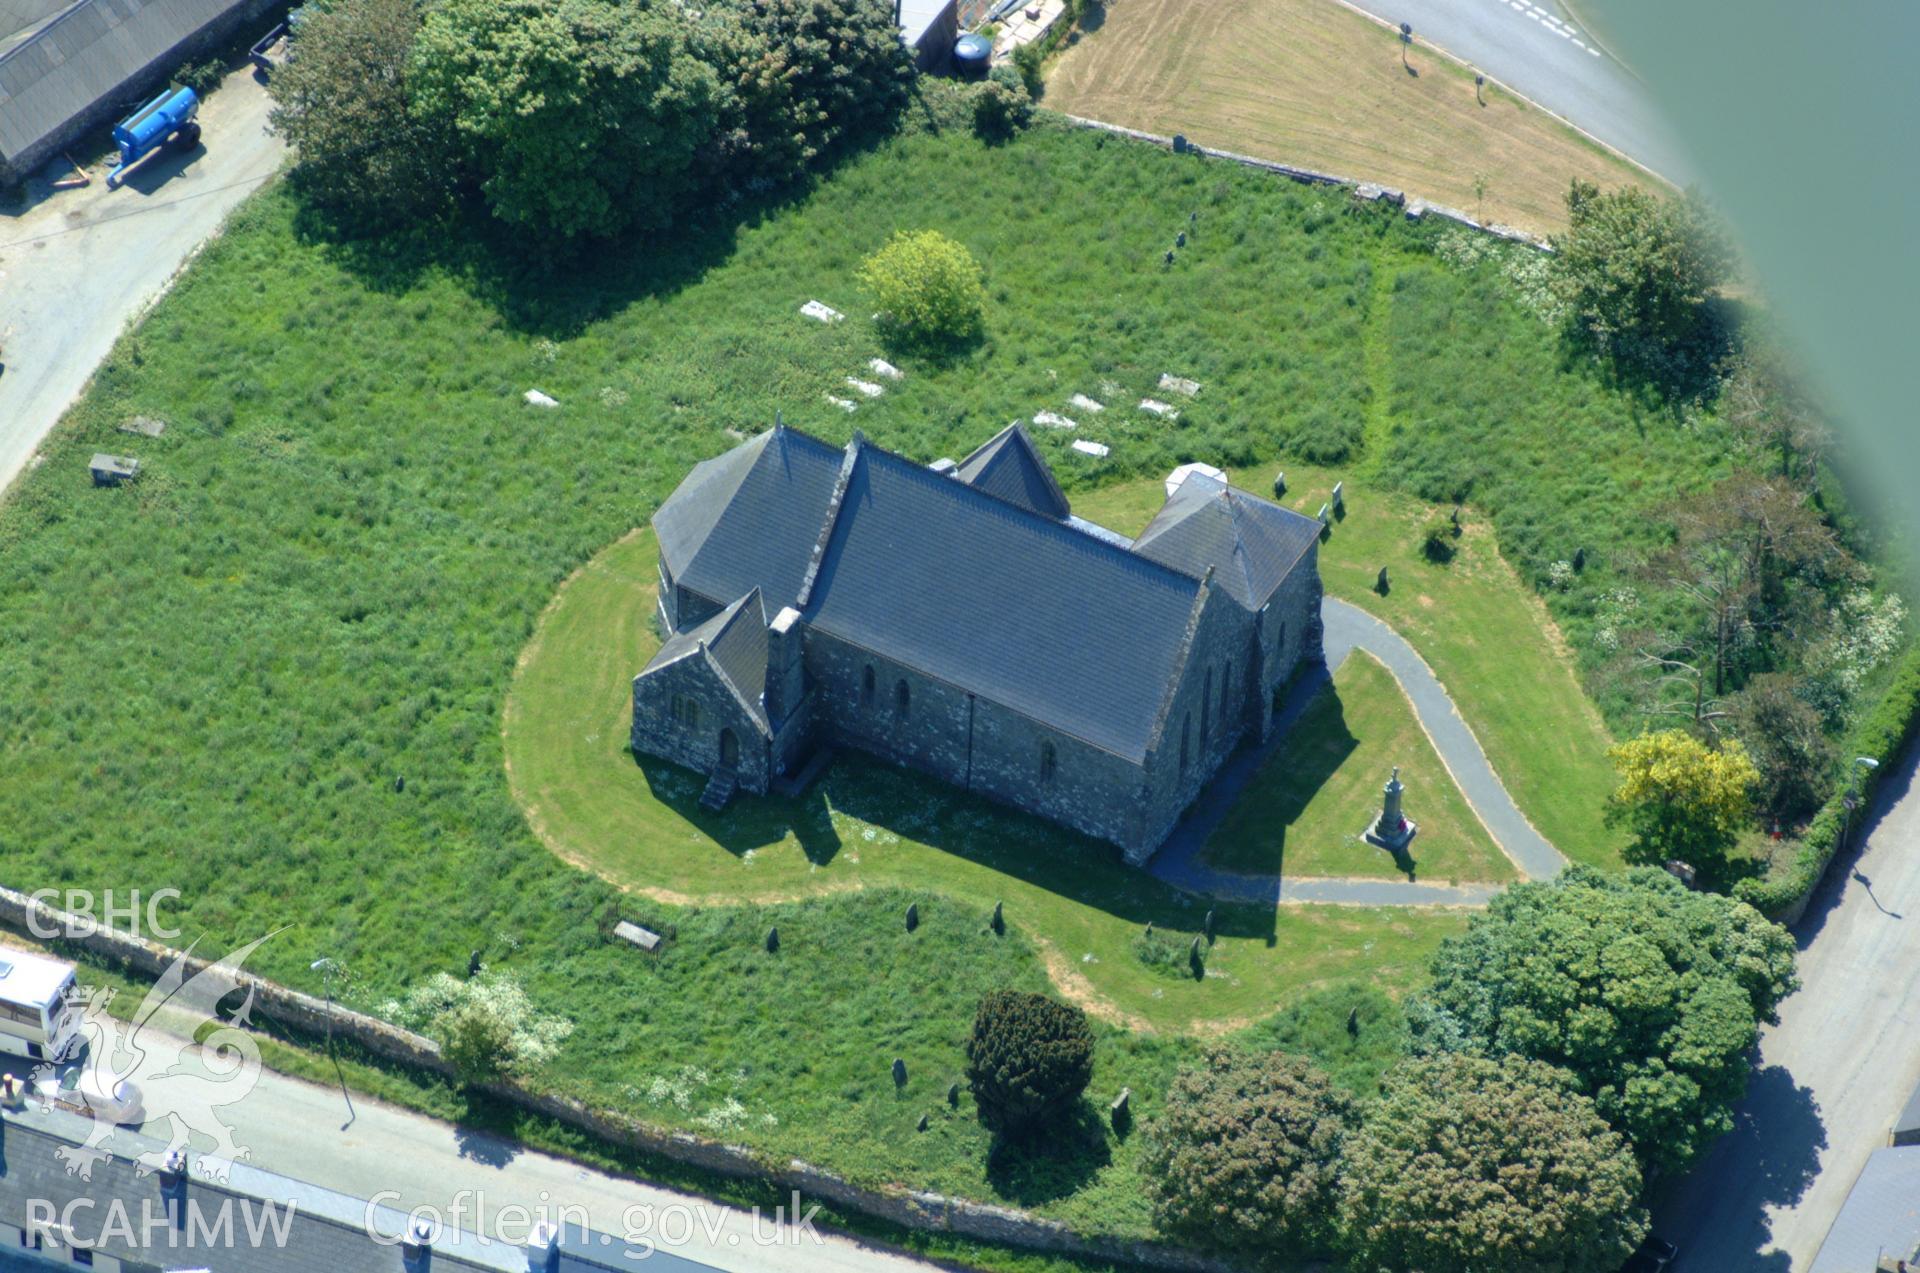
<point>960,620</point>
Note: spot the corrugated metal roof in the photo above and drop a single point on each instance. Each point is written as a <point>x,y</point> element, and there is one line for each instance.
<point>1881,1215</point>
<point>86,54</point>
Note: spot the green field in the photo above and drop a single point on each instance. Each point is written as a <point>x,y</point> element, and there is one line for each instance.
<point>1304,812</point>
<point>273,672</point>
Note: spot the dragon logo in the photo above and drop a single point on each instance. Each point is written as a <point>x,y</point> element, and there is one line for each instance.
<point>155,1059</point>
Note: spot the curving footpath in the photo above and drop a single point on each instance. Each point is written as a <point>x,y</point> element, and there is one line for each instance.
<point>1347,627</point>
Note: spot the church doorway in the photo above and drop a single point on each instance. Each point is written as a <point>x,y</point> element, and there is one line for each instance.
<point>729,750</point>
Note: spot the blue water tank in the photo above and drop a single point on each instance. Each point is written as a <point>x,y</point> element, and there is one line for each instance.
<point>150,125</point>
<point>972,54</point>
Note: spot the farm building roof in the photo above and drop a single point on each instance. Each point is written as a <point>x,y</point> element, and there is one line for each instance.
<point>61,62</point>
<point>324,1231</point>
<point>969,584</point>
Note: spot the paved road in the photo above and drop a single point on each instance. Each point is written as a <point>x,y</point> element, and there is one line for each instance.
<point>1543,51</point>
<point>294,1128</point>
<point>78,265</point>
<point>1347,628</point>
<point>1832,1075</point>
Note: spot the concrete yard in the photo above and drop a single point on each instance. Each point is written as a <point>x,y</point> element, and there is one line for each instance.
<point>76,266</point>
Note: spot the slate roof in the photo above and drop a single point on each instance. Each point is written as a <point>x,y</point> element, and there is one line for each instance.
<point>326,1232</point>
<point>1002,602</point>
<point>86,54</point>
<point>1008,466</point>
<point>734,642</point>
<point>1251,543</point>
<point>749,518</point>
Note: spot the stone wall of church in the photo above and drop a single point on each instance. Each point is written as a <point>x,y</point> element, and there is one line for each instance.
<point>658,731</point>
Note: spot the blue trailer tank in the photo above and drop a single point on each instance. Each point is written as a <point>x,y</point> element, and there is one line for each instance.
<point>166,116</point>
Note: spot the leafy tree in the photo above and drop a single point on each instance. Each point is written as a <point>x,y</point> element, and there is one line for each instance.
<point>1246,1155</point>
<point>1467,1164</point>
<point>1028,1060</point>
<point>1002,106</point>
<point>1785,737</point>
<point>928,287</point>
<point>1754,565</point>
<point>1649,994</point>
<point>477,1043</point>
<point>805,79</point>
<point>579,117</point>
<point>1682,799</point>
<point>1637,273</point>
<point>343,105</point>
<point>1765,400</point>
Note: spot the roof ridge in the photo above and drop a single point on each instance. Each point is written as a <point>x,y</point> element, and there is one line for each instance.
<point>1239,539</point>
<point>854,447</point>
<point>1200,596</point>
<point>1112,551</point>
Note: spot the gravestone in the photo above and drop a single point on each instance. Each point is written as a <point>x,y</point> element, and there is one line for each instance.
<point>773,939</point>
<point>1209,927</point>
<point>1180,239</point>
<point>913,916</point>
<point>645,938</point>
<point>1339,500</point>
<point>1380,584</point>
<point>1120,1113</point>
<point>953,1095</point>
<point>922,1124</point>
<point>899,1072</point>
<point>999,920</point>
<point>1279,484</point>
<point>1353,1022</point>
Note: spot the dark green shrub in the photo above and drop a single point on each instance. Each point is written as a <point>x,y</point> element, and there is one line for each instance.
<point>1162,954</point>
<point>1466,1163</point>
<point>1028,1060</point>
<point>203,76</point>
<point>1002,106</point>
<point>928,288</point>
<point>1246,1155</point>
<point>1436,542</point>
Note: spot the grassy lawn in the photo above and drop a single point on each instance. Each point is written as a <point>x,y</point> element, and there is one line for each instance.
<point>273,672</point>
<point>1487,637</point>
<point>1315,84</point>
<point>1305,811</point>
<point>866,825</point>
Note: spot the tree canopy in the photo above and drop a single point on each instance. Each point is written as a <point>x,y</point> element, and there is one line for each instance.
<point>1649,994</point>
<point>1467,1163</point>
<point>580,117</point>
<point>343,105</point>
<point>1636,274</point>
<point>1246,1154</point>
<point>928,287</point>
<point>1028,1060</point>
<point>1684,800</point>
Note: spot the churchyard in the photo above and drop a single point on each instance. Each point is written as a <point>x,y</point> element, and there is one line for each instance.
<point>372,616</point>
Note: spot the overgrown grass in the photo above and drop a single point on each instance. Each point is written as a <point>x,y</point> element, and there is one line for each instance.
<point>271,673</point>
<point>1304,813</point>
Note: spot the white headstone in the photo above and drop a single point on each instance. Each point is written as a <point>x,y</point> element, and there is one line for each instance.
<point>1085,403</point>
<point>845,404</point>
<point>1053,420</point>
<point>537,399</point>
<point>823,313</point>
<point>881,367</point>
<point>1179,384</point>
<point>1098,450</point>
<point>867,387</point>
<point>1160,409</point>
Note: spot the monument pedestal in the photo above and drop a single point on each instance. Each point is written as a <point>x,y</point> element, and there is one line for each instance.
<point>1392,830</point>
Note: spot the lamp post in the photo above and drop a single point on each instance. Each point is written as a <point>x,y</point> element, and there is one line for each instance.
<point>327,966</point>
<point>1851,801</point>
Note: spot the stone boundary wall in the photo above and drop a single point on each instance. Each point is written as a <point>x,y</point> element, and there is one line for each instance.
<point>910,1208</point>
<point>1416,208</point>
